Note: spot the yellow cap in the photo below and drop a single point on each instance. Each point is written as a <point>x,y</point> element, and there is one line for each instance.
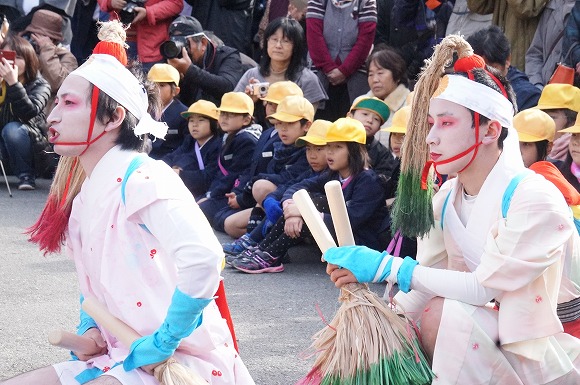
<point>346,130</point>
<point>202,107</point>
<point>556,96</point>
<point>316,134</point>
<point>163,73</point>
<point>372,104</point>
<point>534,125</point>
<point>280,90</point>
<point>237,102</point>
<point>293,108</point>
<point>400,121</point>
<point>575,129</point>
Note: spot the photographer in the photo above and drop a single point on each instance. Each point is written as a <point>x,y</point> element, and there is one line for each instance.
<point>208,70</point>
<point>45,34</point>
<point>149,20</point>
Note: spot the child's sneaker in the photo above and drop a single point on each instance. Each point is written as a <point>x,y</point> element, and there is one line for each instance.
<point>258,261</point>
<point>236,247</point>
<point>230,258</point>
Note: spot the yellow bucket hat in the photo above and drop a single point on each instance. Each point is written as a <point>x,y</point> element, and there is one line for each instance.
<point>163,73</point>
<point>575,129</point>
<point>237,102</point>
<point>400,121</point>
<point>293,108</point>
<point>534,125</point>
<point>316,134</point>
<point>279,90</point>
<point>346,130</point>
<point>556,96</point>
<point>202,107</point>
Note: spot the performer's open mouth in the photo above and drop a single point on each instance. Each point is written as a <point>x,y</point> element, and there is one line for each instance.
<point>52,135</point>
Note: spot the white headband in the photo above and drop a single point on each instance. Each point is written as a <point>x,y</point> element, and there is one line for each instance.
<point>111,77</point>
<point>477,97</point>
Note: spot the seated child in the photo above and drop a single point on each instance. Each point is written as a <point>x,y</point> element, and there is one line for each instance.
<point>167,78</point>
<point>536,131</point>
<point>293,116</point>
<point>364,193</point>
<point>195,161</point>
<point>235,114</point>
<point>262,155</point>
<point>562,103</point>
<point>316,155</point>
<point>372,112</point>
<point>571,166</point>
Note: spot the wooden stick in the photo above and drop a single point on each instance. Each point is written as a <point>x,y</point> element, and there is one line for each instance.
<point>339,213</point>
<point>169,372</point>
<point>313,220</point>
<point>73,342</point>
<point>115,326</point>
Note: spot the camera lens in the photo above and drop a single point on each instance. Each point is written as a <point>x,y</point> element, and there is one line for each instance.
<point>170,49</point>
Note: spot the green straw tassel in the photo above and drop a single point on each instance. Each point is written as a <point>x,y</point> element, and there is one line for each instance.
<point>412,212</point>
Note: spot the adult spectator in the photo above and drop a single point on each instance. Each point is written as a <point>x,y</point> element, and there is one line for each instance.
<point>283,58</point>
<point>231,20</point>
<point>571,42</point>
<point>491,44</point>
<point>148,28</point>
<point>340,36</point>
<point>85,28</point>
<point>518,20</point>
<point>208,71</point>
<point>546,48</point>
<point>387,79</point>
<point>25,11</point>
<point>45,34</point>
<point>24,96</point>
<point>465,22</point>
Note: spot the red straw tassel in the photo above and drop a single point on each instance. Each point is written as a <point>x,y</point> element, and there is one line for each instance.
<point>48,231</point>
<point>314,377</point>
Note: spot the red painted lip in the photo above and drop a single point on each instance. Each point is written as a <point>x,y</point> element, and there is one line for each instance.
<point>434,156</point>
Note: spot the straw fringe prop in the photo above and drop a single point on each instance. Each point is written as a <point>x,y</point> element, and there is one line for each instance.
<point>366,343</point>
<point>413,210</point>
<point>169,372</point>
<point>49,230</point>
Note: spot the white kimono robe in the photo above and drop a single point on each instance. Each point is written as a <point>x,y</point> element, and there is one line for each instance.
<point>134,271</point>
<point>521,257</point>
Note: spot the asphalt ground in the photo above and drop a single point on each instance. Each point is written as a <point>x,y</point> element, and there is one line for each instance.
<point>275,315</point>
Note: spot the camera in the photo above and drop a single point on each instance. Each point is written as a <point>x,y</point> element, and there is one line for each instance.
<point>127,14</point>
<point>260,89</point>
<point>31,41</point>
<point>172,48</point>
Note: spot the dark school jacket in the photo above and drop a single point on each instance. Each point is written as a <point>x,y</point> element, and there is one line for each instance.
<point>196,180</point>
<point>365,203</point>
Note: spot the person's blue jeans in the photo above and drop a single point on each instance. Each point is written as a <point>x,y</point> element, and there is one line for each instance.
<point>16,145</point>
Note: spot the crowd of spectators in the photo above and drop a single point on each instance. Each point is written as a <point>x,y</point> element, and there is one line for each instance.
<point>331,56</point>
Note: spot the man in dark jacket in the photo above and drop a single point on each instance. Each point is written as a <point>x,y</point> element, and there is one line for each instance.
<point>492,44</point>
<point>208,71</point>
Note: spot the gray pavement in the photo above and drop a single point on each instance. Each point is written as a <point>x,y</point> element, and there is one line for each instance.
<point>275,315</point>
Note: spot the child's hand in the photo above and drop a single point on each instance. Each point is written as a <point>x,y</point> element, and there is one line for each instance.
<point>232,201</point>
<point>293,226</point>
<point>291,210</point>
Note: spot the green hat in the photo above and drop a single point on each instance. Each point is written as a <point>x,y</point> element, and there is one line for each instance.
<point>373,104</point>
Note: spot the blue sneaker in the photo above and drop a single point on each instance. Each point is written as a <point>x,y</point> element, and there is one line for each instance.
<point>236,247</point>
